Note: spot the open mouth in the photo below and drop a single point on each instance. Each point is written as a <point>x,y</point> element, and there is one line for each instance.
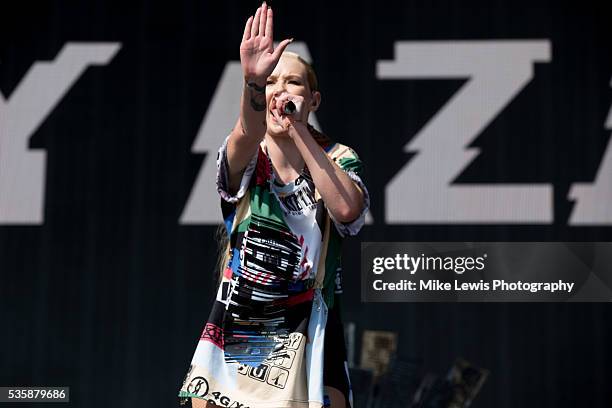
<point>273,118</point>
<point>270,109</point>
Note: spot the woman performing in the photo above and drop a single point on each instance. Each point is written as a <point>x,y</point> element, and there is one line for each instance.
<point>288,197</point>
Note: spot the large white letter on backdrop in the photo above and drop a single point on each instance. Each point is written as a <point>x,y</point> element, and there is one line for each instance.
<point>22,170</point>
<point>496,71</point>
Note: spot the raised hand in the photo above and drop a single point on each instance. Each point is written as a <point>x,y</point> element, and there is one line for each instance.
<point>257,55</point>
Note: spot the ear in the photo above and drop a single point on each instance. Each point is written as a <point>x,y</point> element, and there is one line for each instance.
<point>316,101</point>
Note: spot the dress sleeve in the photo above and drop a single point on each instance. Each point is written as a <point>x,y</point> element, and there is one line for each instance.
<point>223,175</point>
<point>347,159</point>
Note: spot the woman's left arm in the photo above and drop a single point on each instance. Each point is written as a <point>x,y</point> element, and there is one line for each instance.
<point>342,197</point>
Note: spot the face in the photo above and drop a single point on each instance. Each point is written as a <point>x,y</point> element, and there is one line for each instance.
<point>289,76</point>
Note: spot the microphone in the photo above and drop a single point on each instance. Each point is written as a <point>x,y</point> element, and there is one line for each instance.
<point>289,108</point>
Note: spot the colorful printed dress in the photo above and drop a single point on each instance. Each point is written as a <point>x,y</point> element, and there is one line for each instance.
<point>262,345</point>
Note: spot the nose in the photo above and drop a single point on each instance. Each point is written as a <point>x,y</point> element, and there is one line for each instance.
<point>278,89</point>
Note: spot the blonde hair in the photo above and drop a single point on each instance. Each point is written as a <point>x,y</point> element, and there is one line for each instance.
<point>310,73</point>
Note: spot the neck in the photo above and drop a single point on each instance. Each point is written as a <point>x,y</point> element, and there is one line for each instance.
<point>284,153</point>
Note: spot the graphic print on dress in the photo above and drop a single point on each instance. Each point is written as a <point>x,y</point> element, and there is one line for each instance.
<point>259,317</point>
<point>277,368</point>
<point>301,198</point>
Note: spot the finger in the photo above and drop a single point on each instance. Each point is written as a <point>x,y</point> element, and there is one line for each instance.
<point>281,47</point>
<point>247,29</point>
<point>277,116</point>
<point>262,19</point>
<point>255,26</point>
<point>269,24</point>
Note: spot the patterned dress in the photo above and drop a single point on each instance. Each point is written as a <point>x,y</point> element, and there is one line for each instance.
<point>262,345</point>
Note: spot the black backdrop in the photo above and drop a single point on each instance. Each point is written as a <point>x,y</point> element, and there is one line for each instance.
<point>109,294</point>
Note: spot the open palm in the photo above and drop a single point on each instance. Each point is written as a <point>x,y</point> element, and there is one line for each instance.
<point>257,55</point>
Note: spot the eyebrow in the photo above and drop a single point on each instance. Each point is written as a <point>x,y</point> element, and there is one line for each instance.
<point>290,76</point>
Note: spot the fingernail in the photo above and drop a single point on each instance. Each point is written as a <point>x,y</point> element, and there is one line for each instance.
<point>291,39</point>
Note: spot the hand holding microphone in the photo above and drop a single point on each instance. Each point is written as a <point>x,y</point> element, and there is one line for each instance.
<point>288,109</point>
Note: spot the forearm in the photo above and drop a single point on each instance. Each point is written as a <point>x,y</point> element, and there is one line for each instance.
<point>248,131</point>
<point>342,197</point>
<point>253,108</point>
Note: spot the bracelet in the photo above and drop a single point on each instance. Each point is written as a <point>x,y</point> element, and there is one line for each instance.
<point>253,85</point>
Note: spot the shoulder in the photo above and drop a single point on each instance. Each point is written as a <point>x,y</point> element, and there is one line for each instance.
<point>337,150</point>
<point>346,157</point>
<point>341,154</point>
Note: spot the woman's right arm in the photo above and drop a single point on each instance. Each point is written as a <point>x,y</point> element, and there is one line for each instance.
<point>258,59</point>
